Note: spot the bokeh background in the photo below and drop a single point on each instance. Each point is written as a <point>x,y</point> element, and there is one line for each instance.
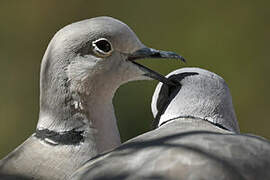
<point>229,37</point>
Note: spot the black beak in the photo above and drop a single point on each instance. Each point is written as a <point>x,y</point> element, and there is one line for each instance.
<point>153,53</point>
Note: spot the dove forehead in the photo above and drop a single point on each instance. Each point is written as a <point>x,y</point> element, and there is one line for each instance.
<point>122,37</point>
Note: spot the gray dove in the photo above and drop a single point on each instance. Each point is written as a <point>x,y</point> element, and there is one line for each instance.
<point>196,137</point>
<point>83,66</point>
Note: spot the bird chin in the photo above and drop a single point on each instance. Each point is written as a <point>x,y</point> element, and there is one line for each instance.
<point>140,78</point>
<point>149,74</point>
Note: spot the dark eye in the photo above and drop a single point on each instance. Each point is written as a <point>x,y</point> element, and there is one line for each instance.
<point>102,47</point>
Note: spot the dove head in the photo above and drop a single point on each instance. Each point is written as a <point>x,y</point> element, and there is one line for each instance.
<point>88,61</point>
<point>200,94</point>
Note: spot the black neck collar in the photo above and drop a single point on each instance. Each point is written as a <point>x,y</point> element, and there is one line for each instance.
<point>71,137</point>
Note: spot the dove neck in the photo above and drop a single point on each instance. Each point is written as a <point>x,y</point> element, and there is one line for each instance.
<point>65,112</point>
<point>81,117</point>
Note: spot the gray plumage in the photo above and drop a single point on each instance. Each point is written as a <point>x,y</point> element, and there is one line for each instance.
<point>190,145</point>
<point>83,66</point>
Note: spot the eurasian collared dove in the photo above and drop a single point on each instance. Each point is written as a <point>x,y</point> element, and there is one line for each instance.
<point>197,138</point>
<point>83,66</point>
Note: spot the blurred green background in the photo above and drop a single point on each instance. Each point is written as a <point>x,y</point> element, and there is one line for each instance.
<point>229,37</point>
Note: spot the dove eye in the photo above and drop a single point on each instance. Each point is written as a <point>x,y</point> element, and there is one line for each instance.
<point>102,47</point>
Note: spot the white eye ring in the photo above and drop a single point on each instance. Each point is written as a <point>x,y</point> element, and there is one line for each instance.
<point>102,47</point>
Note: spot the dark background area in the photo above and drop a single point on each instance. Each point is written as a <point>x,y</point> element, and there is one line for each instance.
<point>230,38</point>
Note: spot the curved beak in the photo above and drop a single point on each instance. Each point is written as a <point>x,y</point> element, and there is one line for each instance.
<point>153,53</point>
